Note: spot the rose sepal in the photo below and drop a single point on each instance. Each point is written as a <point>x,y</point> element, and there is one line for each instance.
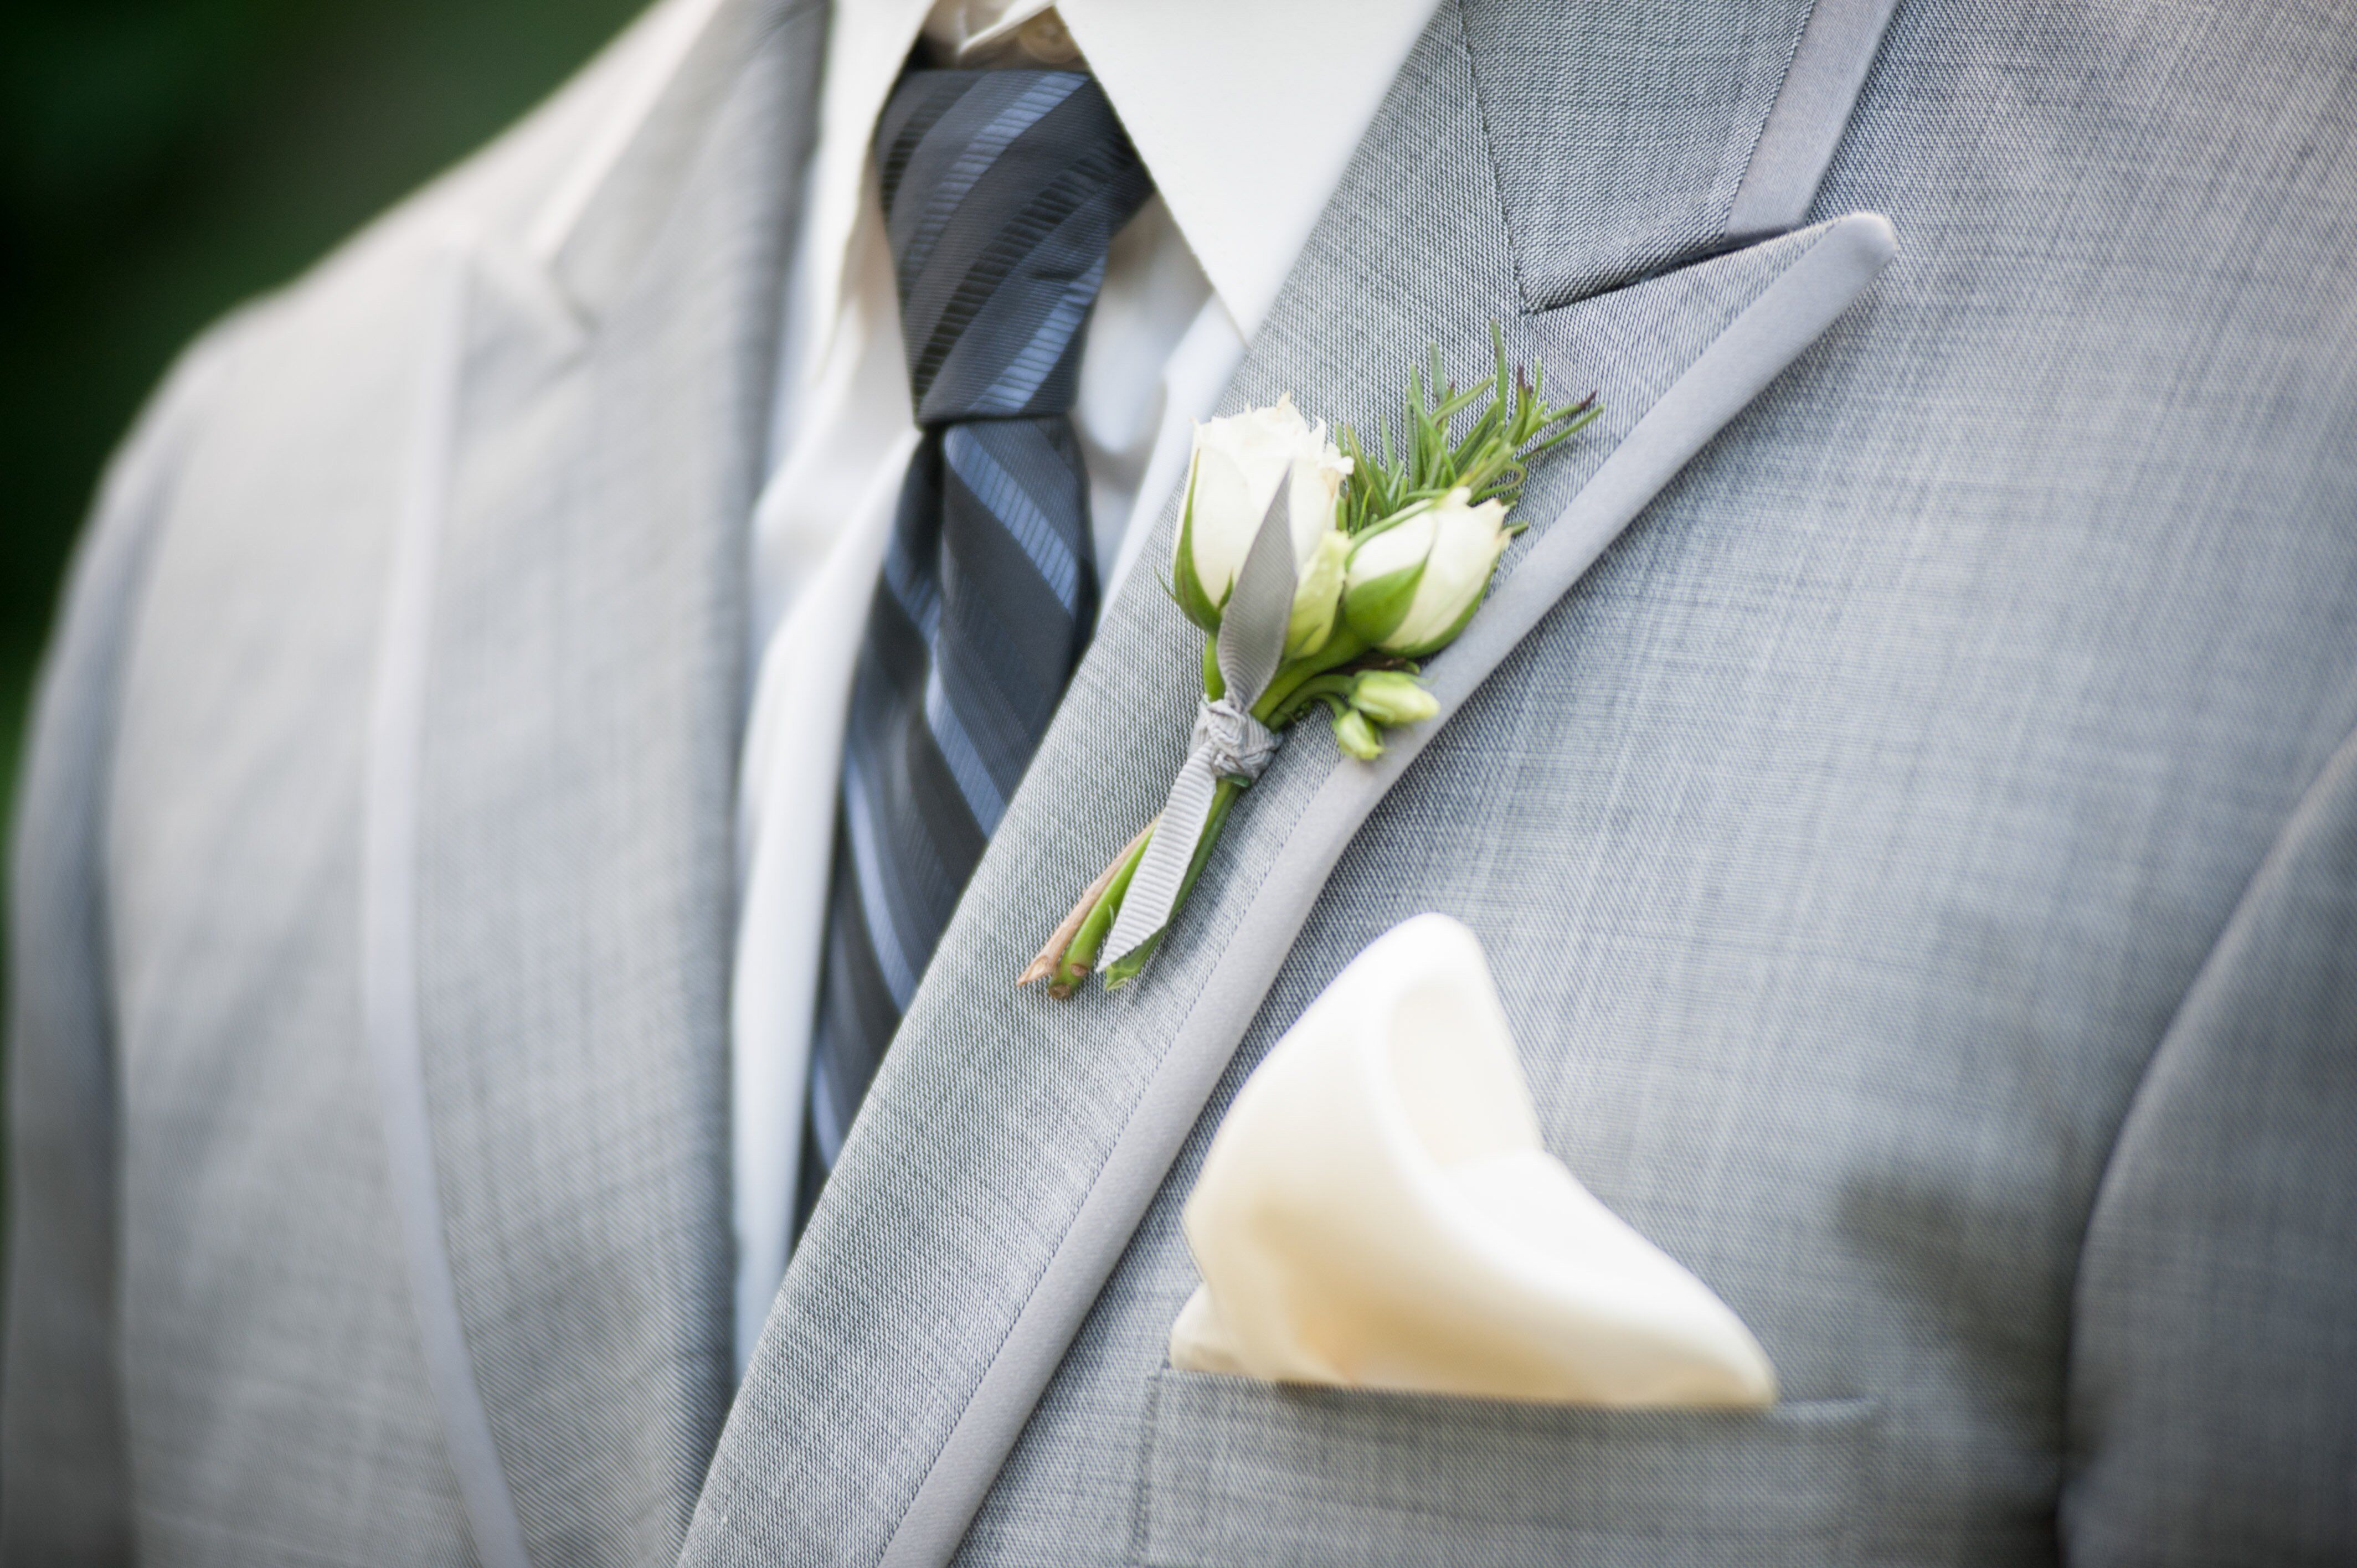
<point>1186,585</point>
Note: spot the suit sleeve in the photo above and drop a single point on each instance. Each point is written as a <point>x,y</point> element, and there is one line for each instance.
<point>63,1488</point>
<point>2213,1378</point>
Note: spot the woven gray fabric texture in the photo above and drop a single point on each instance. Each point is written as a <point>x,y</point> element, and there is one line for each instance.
<point>1618,139</point>
<point>1915,860</point>
<point>1853,834</point>
<point>59,1443</point>
<point>2209,1377</point>
<point>1841,833</point>
<point>578,764</point>
<point>1240,1471</point>
<point>978,1075</point>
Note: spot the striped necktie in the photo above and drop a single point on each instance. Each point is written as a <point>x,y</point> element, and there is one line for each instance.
<point>1002,190</point>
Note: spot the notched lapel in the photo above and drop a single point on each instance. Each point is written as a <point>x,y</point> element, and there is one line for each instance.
<point>1622,132</point>
<point>1011,1143</point>
<point>1630,139</point>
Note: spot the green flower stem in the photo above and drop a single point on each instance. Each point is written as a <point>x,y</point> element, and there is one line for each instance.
<point>1122,971</point>
<point>1223,795</point>
<point>1345,645</point>
<point>1331,689</point>
<point>1081,956</point>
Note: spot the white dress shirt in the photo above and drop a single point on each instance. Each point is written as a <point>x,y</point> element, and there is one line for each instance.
<point>1245,112</point>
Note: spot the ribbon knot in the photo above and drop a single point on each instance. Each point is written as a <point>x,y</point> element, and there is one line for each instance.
<point>1232,743</point>
<point>1228,743</point>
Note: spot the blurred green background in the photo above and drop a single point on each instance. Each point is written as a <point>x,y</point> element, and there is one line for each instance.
<point>161,160</point>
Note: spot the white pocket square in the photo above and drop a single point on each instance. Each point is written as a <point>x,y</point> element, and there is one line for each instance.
<point>1377,1211</point>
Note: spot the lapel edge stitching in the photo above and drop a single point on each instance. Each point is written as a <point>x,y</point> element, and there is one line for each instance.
<point>1805,122</point>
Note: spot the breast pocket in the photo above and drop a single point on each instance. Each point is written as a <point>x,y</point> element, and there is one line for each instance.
<point>1240,1472</point>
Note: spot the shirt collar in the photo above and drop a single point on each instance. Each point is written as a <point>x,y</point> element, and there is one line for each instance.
<point>1246,112</point>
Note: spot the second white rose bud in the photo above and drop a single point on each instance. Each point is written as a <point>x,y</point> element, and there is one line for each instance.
<point>1411,584</point>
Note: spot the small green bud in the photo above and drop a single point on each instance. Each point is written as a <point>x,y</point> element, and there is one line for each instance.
<point>1392,697</point>
<point>1355,735</point>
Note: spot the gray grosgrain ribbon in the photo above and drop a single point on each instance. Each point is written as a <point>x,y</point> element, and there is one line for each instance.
<point>1228,743</point>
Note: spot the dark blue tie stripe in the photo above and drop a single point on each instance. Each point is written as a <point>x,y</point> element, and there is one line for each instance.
<point>1008,104</point>
<point>907,120</point>
<point>996,689</point>
<point>994,486</point>
<point>1038,167</point>
<point>1012,632</point>
<point>978,785</point>
<point>1044,353</point>
<point>1002,192</point>
<point>1058,237</point>
<point>1058,193</point>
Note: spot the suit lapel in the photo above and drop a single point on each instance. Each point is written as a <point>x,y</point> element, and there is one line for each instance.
<point>551,765</point>
<point>1011,1142</point>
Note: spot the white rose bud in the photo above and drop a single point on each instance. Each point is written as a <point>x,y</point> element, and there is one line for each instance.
<point>1410,588</point>
<point>1239,462</point>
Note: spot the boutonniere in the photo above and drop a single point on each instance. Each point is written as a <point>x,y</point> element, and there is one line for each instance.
<point>1320,574</point>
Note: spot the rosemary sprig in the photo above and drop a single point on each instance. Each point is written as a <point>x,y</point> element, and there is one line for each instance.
<point>1481,439</point>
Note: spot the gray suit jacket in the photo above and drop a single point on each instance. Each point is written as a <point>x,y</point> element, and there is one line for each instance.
<point>1920,856</point>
